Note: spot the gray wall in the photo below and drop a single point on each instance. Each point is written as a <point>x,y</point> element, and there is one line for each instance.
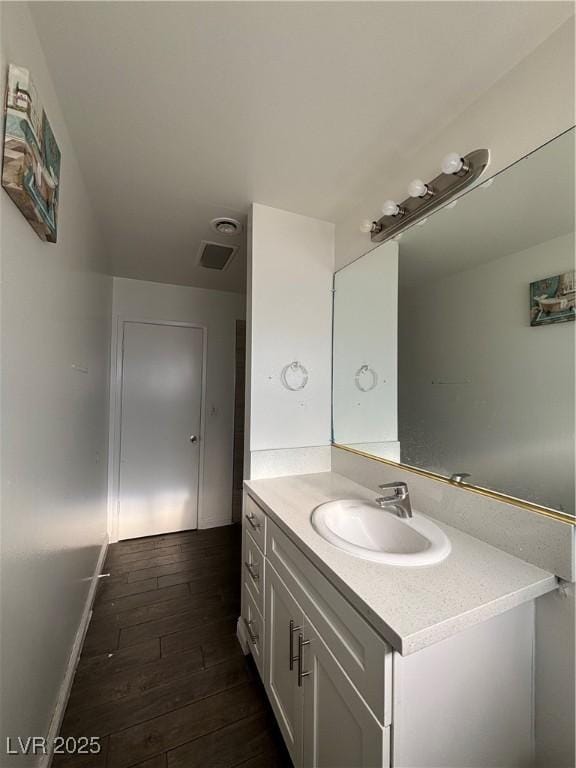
<point>506,414</point>
<point>56,305</point>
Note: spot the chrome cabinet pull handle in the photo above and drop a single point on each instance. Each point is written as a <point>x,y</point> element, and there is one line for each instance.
<point>250,568</point>
<point>252,635</point>
<point>251,517</point>
<point>301,644</point>
<point>291,643</point>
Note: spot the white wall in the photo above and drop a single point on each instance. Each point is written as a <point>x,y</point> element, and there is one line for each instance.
<point>528,106</point>
<point>56,303</point>
<point>474,327</point>
<point>291,263</point>
<point>217,311</point>
<point>366,333</point>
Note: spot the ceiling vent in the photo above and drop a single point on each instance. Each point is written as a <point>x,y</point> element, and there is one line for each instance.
<point>215,255</point>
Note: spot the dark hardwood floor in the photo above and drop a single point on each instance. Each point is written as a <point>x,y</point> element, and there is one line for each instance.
<point>162,680</point>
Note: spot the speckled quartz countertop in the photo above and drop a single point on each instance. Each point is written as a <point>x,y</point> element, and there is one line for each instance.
<point>410,607</point>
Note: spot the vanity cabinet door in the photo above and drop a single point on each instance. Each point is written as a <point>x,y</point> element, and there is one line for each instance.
<point>284,620</point>
<point>339,729</point>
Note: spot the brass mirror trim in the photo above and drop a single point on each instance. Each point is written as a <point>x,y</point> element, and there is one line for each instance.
<point>562,517</point>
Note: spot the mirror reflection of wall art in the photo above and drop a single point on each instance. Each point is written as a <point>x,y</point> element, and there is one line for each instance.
<point>552,300</point>
<point>31,167</point>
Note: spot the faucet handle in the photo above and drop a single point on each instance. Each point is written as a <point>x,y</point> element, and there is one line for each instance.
<point>400,488</point>
<point>459,477</point>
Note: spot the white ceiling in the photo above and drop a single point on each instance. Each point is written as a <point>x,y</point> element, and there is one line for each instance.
<point>184,111</point>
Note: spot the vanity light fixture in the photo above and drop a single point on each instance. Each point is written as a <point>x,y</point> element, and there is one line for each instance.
<point>369,226</point>
<point>418,188</point>
<point>458,173</point>
<point>454,163</point>
<point>391,208</point>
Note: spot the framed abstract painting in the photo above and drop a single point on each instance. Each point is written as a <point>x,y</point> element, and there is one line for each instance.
<point>31,162</point>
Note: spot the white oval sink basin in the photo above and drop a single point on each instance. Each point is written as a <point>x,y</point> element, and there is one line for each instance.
<point>364,529</point>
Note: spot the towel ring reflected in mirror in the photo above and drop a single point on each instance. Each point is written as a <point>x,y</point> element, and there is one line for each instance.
<point>366,378</point>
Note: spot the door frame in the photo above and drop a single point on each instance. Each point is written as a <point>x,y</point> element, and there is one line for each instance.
<point>116,380</point>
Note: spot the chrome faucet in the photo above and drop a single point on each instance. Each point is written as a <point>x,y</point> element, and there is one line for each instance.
<point>399,499</point>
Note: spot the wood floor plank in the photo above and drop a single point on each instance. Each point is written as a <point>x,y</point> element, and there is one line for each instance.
<point>100,639</point>
<point>158,761</point>
<point>104,719</point>
<point>205,633</point>
<point>223,534</point>
<point>107,665</point>
<point>211,610</point>
<point>224,574</point>
<point>220,650</point>
<point>135,681</point>
<point>133,545</point>
<point>275,759</point>
<point>155,558</point>
<point>112,591</point>
<point>163,609</point>
<point>176,728</point>
<point>240,741</point>
<point>192,565</point>
<point>142,554</point>
<point>219,580</point>
<point>128,602</point>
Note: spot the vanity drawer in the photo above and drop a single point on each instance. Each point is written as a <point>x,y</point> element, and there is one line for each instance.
<point>361,652</point>
<point>255,521</point>
<point>254,629</point>
<point>253,570</point>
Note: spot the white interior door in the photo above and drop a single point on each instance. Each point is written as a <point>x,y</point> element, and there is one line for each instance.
<point>160,429</point>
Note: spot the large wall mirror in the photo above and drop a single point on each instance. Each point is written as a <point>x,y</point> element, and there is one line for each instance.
<point>454,345</point>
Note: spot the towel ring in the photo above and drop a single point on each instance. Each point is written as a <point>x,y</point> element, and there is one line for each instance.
<point>361,383</point>
<point>291,371</point>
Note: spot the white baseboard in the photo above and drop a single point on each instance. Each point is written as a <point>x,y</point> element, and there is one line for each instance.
<point>66,686</point>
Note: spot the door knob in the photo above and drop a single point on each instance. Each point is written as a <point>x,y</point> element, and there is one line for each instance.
<point>193,439</point>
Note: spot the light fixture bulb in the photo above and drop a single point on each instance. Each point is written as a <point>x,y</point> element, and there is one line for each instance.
<point>452,163</point>
<point>366,226</point>
<point>390,208</point>
<point>418,188</point>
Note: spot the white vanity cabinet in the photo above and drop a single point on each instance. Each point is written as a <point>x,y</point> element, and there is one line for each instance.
<point>284,624</point>
<point>343,698</point>
<point>253,629</point>
<point>326,672</point>
<point>339,730</point>
<point>324,719</point>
